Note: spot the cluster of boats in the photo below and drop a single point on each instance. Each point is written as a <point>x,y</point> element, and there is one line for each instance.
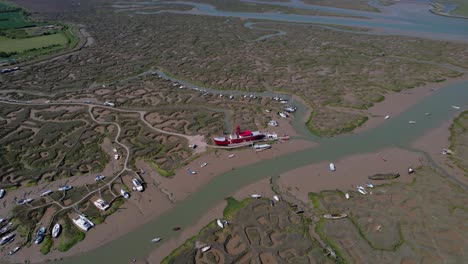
<point>6,236</point>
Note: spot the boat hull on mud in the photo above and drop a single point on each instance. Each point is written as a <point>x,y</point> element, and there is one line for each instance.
<point>239,137</point>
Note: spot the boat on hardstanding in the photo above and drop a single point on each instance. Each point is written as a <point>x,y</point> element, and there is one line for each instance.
<point>39,235</point>
<point>203,164</point>
<point>239,137</point>
<point>334,216</point>
<point>347,196</point>
<point>261,146</point>
<point>56,230</point>
<point>13,251</point>
<point>156,239</point>
<point>362,190</point>
<point>124,194</point>
<point>256,196</point>
<point>7,239</point>
<point>276,197</point>
<point>205,248</point>
<point>219,223</point>
<point>332,167</point>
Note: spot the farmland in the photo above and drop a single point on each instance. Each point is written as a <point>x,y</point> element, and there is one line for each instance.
<point>19,45</point>
<point>24,38</point>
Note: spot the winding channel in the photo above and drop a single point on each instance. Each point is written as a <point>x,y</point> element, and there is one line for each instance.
<point>395,132</point>
<point>407,19</point>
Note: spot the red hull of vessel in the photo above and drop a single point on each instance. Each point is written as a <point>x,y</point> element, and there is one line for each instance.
<point>238,137</point>
<point>228,141</point>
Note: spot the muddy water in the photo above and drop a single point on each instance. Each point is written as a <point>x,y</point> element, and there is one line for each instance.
<point>409,19</point>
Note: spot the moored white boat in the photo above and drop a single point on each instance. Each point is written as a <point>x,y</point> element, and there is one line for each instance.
<point>387,117</point>
<point>346,196</point>
<point>410,170</point>
<point>65,188</point>
<point>203,164</point>
<point>205,248</point>
<point>2,193</point>
<point>332,167</point>
<point>219,223</point>
<point>46,193</point>
<point>412,122</point>
<point>231,156</point>
<point>13,251</point>
<point>261,146</point>
<point>137,185</point>
<point>124,194</point>
<point>370,185</point>
<point>56,230</point>
<point>362,191</point>
<point>456,107</point>
<point>334,216</point>
<point>276,198</point>
<point>6,239</point>
<point>156,239</point>
<point>39,235</point>
<point>256,196</point>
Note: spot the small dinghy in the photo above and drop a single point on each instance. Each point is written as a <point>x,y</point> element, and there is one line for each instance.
<point>256,196</point>
<point>56,230</point>
<point>231,156</point>
<point>220,223</point>
<point>334,216</point>
<point>370,185</point>
<point>362,191</point>
<point>276,198</point>
<point>346,195</point>
<point>13,251</point>
<point>203,165</point>
<point>410,170</point>
<point>412,122</point>
<point>332,167</point>
<point>205,248</point>
<point>456,107</point>
<point>387,117</point>
<point>156,239</point>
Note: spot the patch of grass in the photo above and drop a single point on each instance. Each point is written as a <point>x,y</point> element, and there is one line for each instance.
<point>233,206</point>
<point>46,245</point>
<point>159,170</point>
<point>70,236</point>
<point>315,200</point>
<point>21,45</point>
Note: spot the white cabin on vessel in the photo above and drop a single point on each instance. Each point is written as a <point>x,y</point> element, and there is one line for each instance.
<point>101,204</point>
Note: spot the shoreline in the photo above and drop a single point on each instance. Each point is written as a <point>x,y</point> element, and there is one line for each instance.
<point>405,99</point>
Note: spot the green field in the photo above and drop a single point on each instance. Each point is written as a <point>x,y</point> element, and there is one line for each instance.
<point>14,18</point>
<point>21,45</point>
